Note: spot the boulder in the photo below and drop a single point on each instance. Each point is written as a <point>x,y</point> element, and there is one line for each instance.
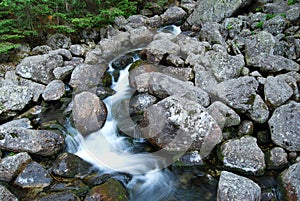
<point>259,111</point>
<point>41,142</point>
<point>54,90</point>
<point>276,158</point>
<point>275,25</point>
<point>78,50</point>
<point>59,196</point>
<point>33,176</point>
<point>162,86</point>
<point>140,36</point>
<point>173,15</point>
<point>89,113</point>
<point>93,56</point>
<point>190,45</point>
<point>10,166</point>
<point>36,88</point>
<point>291,183</point>
<point>158,48</point>
<point>215,10</point>
<point>61,73</point>
<point>179,124</point>
<point>243,155</point>
<point>238,188</point>
<point>66,54</point>
<point>5,194</point>
<point>58,41</point>
<point>39,68</point>
<point>211,32</point>
<point>284,126</point>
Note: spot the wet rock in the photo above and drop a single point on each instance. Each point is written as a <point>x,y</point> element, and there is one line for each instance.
<point>122,62</point>
<point>69,165</point>
<point>141,101</point>
<point>59,41</point>
<point>93,56</point>
<point>245,128</point>
<point>54,90</point>
<point>224,115</point>
<point>104,92</point>
<point>273,63</point>
<point>215,11</point>
<point>5,194</point>
<point>190,159</point>
<point>238,93</point>
<point>66,54</point>
<point>41,142</point>
<point>78,50</point>
<point>179,124</point>
<point>225,66</point>
<point>110,190</point>
<point>33,176</point>
<point>173,15</point>
<point>158,48</point>
<point>14,98</point>
<point>243,155</point>
<point>76,186</point>
<point>86,76</point>
<point>276,25</point>
<point>39,68</point>
<point>140,36</point>
<point>211,32</point>
<point>277,91</point>
<point>89,113</point>
<point>59,196</point>
<point>61,73</point>
<point>235,187</point>
<point>10,166</point>
<point>162,86</point>
<point>291,183</point>
<point>284,126</point>
<point>276,158</point>
<point>259,111</point>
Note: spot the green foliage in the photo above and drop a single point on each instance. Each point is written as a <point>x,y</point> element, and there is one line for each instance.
<point>259,25</point>
<point>229,26</point>
<point>270,16</point>
<point>291,2</point>
<point>7,46</point>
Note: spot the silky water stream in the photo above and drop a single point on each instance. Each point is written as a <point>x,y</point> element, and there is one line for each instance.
<point>111,153</point>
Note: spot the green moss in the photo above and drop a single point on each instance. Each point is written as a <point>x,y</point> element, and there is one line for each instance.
<point>229,26</point>
<point>291,2</point>
<point>259,25</point>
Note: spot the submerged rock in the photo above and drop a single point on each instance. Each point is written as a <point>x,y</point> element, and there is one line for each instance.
<point>238,188</point>
<point>291,183</point>
<point>89,113</point>
<point>284,126</point>
<point>179,124</point>
<point>243,155</point>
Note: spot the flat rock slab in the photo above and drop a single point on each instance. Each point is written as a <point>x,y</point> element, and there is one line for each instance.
<point>285,126</point>
<point>179,124</point>
<point>238,188</point>
<point>243,155</point>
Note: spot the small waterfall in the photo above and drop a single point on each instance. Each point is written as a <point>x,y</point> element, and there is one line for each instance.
<point>110,153</point>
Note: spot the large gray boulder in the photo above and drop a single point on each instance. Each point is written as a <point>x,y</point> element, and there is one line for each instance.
<point>179,124</point>
<point>162,86</point>
<point>238,93</point>
<point>54,90</point>
<point>243,155</point>
<point>10,166</point>
<point>41,142</point>
<point>215,10</point>
<point>39,68</point>
<point>14,98</point>
<point>291,182</point>
<point>140,36</point>
<point>237,188</point>
<point>158,48</point>
<point>89,113</point>
<point>5,194</point>
<point>173,15</point>
<point>284,126</point>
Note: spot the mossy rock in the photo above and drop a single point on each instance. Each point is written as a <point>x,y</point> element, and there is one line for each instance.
<point>112,190</point>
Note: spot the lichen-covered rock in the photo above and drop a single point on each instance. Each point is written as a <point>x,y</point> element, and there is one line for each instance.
<point>162,86</point>
<point>284,126</point>
<point>33,176</point>
<point>234,26</point>
<point>276,158</point>
<point>6,195</point>
<point>41,142</point>
<point>245,128</point>
<point>291,183</point>
<point>179,124</point>
<point>215,10</point>
<point>243,155</point>
<point>86,76</point>
<point>89,113</point>
<point>158,48</point>
<point>211,32</point>
<point>238,188</point>
<point>173,15</point>
<point>259,111</point>
<point>140,36</point>
<point>59,196</point>
<point>78,50</point>
<point>75,186</point>
<point>238,93</point>
<point>93,56</point>
<point>141,101</point>
<point>39,68</point>
<point>62,73</point>
<point>14,98</point>
<point>277,91</point>
<point>205,79</point>
<point>184,74</point>
<point>110,190</point>
<point>224,115</point>
<point>54,90</point>
<point>10,166</point>
<point>36,88</point>
<point>110,47</point>
<point>276,25</point>
<point>66,54</point>
<point>58,41</point>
